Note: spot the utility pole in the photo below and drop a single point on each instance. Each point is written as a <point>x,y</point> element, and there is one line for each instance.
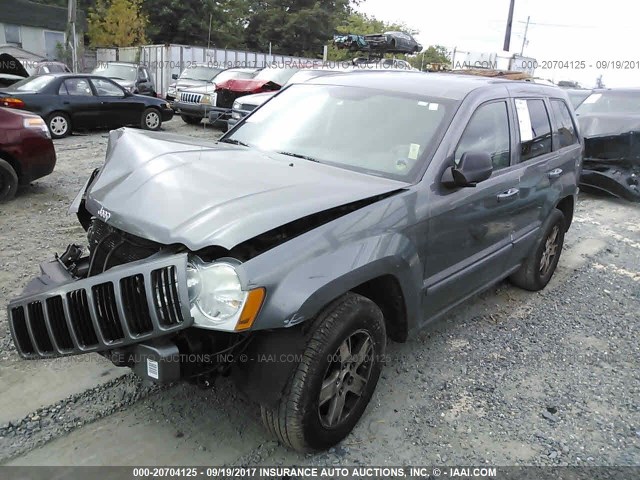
<point>71,19</point>
<point>209,40</point>
<point>507,34</point>
<point>524,40</point>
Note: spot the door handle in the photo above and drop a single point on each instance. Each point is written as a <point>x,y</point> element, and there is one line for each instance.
<point>509,194</point>
<point>66,103</point>
<point>555,173</point>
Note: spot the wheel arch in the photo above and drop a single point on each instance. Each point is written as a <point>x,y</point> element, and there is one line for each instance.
<point>15,164</point>
<point>567,206</point>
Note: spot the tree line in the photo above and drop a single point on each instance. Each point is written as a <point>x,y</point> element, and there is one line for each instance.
<point>290,27</point>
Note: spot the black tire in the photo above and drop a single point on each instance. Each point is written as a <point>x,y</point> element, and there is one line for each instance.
<point>538,267</point>
<point>59,125</point>
<point>151,119</point>
<point>191,120</point>
<point>300,420</point>
<point>8,181</point>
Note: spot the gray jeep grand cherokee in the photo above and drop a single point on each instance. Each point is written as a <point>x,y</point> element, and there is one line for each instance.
<point>346,211</point>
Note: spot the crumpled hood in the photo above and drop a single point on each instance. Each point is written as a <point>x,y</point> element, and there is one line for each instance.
<point>244,85</point>
<point>174,189</point>
<point>601,124</point>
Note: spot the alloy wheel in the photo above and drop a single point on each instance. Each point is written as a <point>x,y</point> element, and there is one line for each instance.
<point>550,251</point>
<point>346,379</point>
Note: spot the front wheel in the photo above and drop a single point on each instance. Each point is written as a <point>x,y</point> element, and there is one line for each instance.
<point>59,125</point>
<point>191,120</point>
<point>538,268</point>
<point>151,119</point>
<point>331,387</point>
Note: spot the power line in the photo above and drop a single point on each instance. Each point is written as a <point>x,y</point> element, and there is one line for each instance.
<point>556,25</point>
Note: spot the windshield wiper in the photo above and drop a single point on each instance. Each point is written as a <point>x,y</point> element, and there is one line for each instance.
<point>233,141</point>
<point>116,78</point>
<point>297,155</point>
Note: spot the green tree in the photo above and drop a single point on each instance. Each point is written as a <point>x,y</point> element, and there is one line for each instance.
<point>294,27</point>
<point>188,21</point>
<point>117,23</point>
<point>433,58</point>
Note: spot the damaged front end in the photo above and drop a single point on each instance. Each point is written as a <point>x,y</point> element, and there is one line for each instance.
<point>612,155</point>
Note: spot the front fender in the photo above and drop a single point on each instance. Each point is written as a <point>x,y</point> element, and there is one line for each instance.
<point>298,290</point>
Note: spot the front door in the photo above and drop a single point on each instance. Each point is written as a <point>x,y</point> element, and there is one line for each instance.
<point>77,96</point>
<point>117,108</point>
<point>471,228</point>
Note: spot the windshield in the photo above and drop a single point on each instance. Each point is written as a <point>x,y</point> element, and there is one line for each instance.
<point>276,75</point>
<point>578,96</point>
<point>203,74</point>
<point>31,84</point>
<point>611,102</point>
<point>381,133</point>
<point>118,72</point>
<point>234,74</point>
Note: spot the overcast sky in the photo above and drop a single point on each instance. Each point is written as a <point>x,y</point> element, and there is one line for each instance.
<point>560,30</point>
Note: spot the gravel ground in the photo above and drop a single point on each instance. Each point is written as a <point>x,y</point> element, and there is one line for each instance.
<point>510,378</point>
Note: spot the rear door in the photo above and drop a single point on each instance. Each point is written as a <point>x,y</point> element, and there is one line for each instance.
<point>76,95</point>
<point>543,169</point>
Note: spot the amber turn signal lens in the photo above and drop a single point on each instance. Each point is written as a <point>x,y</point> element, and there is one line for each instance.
<point>251,309</point>
<point>11,102</point>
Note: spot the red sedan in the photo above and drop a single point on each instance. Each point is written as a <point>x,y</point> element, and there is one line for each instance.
<point>26,150</point>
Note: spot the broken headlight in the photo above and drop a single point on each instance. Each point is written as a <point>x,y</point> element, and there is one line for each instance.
<point>215,294</point>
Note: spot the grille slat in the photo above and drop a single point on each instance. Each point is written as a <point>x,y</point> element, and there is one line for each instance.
<point>81,318</point>
<point>135,304</point>
<point>39,327</point>
<point>59,327</point>
<point>21,333</point>
<point>108,318</point>
<point>166,297</point>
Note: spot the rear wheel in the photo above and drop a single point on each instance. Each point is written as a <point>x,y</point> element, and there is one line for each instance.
<point>331,387</point>
<point>59,124</point>
<point>151,119</point>
<point>8,181</point>
<point>191,120</point>
<point>538,268</point>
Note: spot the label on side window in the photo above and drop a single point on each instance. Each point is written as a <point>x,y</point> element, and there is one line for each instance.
<point>152,368</point>
<point>524,120</point>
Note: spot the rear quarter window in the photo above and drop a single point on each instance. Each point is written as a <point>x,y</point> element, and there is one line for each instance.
<point>565,128</point>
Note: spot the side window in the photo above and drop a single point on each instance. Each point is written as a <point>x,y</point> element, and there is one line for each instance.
<point>535,128</point>
<point>142,75</point>
<point>488,131</point>
<point>78,87</point>
<point>566,129</point>
<point>63,89</point>
<point>106,89</point>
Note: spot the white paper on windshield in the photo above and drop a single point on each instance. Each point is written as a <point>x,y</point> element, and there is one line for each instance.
<point>422,104</point>
<point>414,150</point>
<point>593,98</point>
<point>433,106</point>
<point>524,120</point>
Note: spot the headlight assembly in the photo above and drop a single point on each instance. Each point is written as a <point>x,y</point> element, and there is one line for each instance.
<point>217,299</point>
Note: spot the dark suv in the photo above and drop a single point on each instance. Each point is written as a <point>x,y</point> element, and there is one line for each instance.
<point>134,78</point>
<point>346,211</point>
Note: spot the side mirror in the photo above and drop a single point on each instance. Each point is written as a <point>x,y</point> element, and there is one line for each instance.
<point>127,93</point>
<point>474,167</point>
<point>174,76</point>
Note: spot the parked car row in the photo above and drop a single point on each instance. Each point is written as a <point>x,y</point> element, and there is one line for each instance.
<point>72,101</point>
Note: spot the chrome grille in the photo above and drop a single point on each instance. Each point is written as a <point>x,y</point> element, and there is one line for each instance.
<point>125,305</point>
<point>186,97</point>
